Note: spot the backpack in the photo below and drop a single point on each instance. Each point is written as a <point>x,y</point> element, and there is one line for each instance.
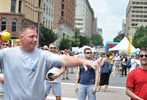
<point>128,63</point>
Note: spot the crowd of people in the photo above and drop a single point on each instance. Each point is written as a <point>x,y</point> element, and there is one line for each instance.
<point>30,73</point>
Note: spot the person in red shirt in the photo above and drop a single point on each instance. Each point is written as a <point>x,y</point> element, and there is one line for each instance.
<point>136,85</point>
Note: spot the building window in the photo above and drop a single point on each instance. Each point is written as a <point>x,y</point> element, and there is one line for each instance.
<point>14,23</point>
<point>13,5</point>
<point>39,3</point>
<point>19,9</point>
<point>3,24</point>
<point>63,35</point>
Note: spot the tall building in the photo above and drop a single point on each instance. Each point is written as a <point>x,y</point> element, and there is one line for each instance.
<point>100,31</point>
<point>16,13</point>
<point>92,23</point>
<point>48,13</point>
<point>64,18</point>
<point>84,17</point>
<point>136,15</point>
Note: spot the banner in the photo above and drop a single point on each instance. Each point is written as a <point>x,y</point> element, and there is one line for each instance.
<point>15,42</point>
<point>129,47</point>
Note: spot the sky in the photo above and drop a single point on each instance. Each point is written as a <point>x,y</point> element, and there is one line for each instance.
<point>110,15</point>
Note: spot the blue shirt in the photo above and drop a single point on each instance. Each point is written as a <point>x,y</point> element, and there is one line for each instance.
<point>24,72</point>
<point>87,77</point>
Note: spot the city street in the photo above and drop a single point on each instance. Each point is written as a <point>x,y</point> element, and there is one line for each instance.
<point>116,90</point>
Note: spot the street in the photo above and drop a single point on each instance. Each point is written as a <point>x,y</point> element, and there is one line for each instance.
<point>116,90</point>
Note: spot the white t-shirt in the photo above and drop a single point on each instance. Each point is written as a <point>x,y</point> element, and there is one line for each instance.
<point>24,72</point>
<point>56,71</point>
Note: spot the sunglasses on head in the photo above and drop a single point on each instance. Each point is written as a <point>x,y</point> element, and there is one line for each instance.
<point>52,47</point>
<point>145,55</point>
<point>88,52</point>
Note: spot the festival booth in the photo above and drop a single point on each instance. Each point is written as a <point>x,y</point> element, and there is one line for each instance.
<point>136,51</point>
<point>122,46</point>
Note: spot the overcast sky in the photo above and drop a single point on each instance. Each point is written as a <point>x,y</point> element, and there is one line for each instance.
<point>110,14</point>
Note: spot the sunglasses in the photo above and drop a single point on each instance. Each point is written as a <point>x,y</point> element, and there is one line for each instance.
<point>88,52</point>
<point>5,44</point>
<point>145,55</point>
<point>52,47</point>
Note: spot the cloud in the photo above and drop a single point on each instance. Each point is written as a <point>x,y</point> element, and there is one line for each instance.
<point>110,14</point>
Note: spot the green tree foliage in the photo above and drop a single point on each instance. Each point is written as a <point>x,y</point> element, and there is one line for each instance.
<point>47,36</point>
<point>64,44</point>
<point>74,42</point>
<point>77,32</point>
<point>118,38</point>
<point>140,38</point>
<point>97,40</point>
<point>83,40</point>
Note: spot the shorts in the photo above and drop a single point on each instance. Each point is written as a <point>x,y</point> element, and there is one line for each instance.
<point>56,88</point>
<point>1,95</point>
<point>117,64</point>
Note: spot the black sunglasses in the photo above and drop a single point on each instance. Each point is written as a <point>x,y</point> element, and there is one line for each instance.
<point>143,55</point>
<point>88,52</point>
<point>52,47</point>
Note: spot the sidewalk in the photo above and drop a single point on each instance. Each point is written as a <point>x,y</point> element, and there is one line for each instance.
<point>113,93</point>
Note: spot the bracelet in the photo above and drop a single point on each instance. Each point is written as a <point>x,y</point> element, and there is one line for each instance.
<point>76,85</point>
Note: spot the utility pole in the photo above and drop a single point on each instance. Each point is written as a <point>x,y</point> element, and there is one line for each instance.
<point>38,31</point>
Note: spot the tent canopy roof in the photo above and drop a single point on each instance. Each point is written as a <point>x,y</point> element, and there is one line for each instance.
<point>122,45</point>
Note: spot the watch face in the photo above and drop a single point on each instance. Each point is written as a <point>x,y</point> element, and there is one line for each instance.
<point>50,76</point>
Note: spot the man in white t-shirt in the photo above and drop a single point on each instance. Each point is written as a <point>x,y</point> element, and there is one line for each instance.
<point>25,67</point>
<point>55,84</point>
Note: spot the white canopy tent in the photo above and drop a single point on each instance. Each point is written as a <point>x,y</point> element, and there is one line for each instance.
<point>82,49</point>
<point>122,46</point>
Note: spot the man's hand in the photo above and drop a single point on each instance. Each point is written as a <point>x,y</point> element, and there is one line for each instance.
<point>54,76</point>
<point>94,90</point>
<point>76,88</point>
<point>2,80</point>
<point>90,63</point>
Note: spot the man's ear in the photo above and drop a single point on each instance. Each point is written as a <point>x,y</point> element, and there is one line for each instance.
<point>21,36</point>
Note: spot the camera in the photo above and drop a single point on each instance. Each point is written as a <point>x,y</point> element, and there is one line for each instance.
<point>50,76</point>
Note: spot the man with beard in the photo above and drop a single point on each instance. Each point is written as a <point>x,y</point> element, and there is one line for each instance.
<point>136,85</point>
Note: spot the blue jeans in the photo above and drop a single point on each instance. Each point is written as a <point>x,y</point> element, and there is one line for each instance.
<point>84,90</point>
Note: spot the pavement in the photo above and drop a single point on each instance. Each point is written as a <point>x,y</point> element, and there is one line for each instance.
<point>116,89</point>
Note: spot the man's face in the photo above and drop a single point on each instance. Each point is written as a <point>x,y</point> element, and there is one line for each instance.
<point>143,58</point>
<point>87,54</point>
<point>52,48</point>
<point>29,40</point>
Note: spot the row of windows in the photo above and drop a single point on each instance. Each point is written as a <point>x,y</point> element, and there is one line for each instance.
<point>79,19</point>
<point>4,22</point>
<point>139,3</point>
<point>139,7</point>
<point>78,23</point>
<point>134,11</point>
<point>134,24</point>
<point>141,16</point>
<point>139,20</point>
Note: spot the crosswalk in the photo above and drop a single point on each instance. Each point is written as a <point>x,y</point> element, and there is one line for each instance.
<point>63,98</point>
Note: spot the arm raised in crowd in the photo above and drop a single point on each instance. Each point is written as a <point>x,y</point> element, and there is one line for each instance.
<point>73,62</point>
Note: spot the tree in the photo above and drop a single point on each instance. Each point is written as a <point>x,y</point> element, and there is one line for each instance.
<point>77,32</point>
<point>64,44</point>
<point>140,38</point>
<point>83,40</point>
<point>47,36</point>
<point>118,38</point>
<point>97,40</point>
